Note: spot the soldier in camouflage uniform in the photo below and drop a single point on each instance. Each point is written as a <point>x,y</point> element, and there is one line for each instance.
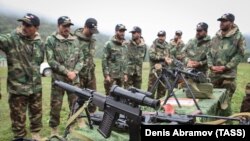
<point>137,50</point>
<point>66,60</point>
<point>245,105</point>
<point>87,45</point>
<point>114,60</point>
<point>176,45</point>
<point>158,53</point>
<point>227,50</point>
<point>196,49</point>
<point>24,52</point>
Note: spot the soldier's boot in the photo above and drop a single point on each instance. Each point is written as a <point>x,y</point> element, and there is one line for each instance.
<point>36,136</point>
<point>54,131</point>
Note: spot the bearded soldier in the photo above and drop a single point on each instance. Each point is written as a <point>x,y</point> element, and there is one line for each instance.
<point>24,52</point>
<point>114,60</point>
<point>137,50</point>
<point>227,50</point>
<point>66,61</point>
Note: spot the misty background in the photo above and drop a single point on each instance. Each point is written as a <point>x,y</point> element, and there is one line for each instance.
<point>152,16</point>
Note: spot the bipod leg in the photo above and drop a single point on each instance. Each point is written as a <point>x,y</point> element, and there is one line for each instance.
<point>155,84</point>
<point>189,89</point>
<point>171,91</point>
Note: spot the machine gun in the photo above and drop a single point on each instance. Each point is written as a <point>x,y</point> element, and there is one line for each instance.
<point>177,119</point>
<point>113,107</point>
<point>179,72</point>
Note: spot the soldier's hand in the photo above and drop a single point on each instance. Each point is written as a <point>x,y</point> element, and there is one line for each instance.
<point>71,75</point>
<point>193,64</point>
<point>125,78</point>
<point>107,78</point>
<point>217,69</point>
<point>168,60</point>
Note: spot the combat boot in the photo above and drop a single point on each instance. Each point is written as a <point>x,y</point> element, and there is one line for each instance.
<point>54,131</point>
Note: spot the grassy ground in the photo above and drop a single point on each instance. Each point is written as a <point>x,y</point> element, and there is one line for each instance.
<point>5,128</point>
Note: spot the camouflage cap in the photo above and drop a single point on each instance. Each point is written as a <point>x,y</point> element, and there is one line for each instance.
<point>120,27</point>
<point>91,23</point>
<point>30,19</point>
<point>136,29</point>
<point>202,26</point>
<point>227,17</point>
<point>161,33</point>
<point>178,32</point>
<point>64,20</point>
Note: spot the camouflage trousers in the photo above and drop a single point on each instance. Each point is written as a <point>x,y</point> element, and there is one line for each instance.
<point>245,105</point>
<point>109,84</point>
<point>134,81</point>
<point>161,90</point>
<point>88,81</point>
<point>19,105</point>
<point>229,84</point>
<point>56,101</point>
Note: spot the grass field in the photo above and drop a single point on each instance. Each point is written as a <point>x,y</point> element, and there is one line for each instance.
<point>5,125</point>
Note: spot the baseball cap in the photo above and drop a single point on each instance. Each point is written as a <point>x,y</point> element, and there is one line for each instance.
<point>178,32</point>
<point>227,17</point>
<point>30,19</point>
<point>202,26</point>
<point>91,23</point>
<point>161,33</point>
<point>64,20</point>
<point>120,27</point>
<point>136,29</point>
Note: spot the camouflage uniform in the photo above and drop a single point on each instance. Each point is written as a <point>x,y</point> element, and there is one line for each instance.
<point>136,55</point>
<point>175,49</point>
<point>114,63</point>
<point>157,54</point>
<point>196,50</point>
<point>245,105</point>
<point>24,57</point>
<point>87,74</point>
<point>63,55</point>
<point>228,51</point>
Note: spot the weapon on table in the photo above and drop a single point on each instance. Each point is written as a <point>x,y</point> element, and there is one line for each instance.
<point>113,107</point>
<point>179,72</point>
<point>159,118</point>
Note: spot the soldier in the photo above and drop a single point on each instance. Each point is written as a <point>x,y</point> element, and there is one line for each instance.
<point>227,50</point>
<point>24,52</point>
<point>137,50</point>
<point>158,53</point>
<point>66,60</point>
<point>87,45</point>
<point>176,45</point>
<point>245,105</point>
<point>196,49</point>
<point>114,60</point>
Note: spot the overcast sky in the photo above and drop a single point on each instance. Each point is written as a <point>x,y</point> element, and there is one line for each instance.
<point>150,15</point>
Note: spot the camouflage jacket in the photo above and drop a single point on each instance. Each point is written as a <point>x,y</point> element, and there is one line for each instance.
<point>175,49</point>
<point>63,55</point>
<point>227,50</point>
<point>196,50</point>
<point>158,52</point>
<point>24,57</point>
<point>136,55</point>
<point>114,60</point>
<point>87,45</point>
